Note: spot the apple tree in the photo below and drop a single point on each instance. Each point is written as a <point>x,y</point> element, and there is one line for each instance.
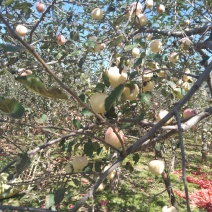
<point>87,84</point>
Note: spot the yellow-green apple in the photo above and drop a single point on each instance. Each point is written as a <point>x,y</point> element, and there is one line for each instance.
<point>185,43</point>
<point>173,57</point>
<point>162,73</point>
<point>179,82</point>
<point>112,174</point>
<point>136,7</point>
<point>68,168</point>
<point>101,187</point>
<point>115,78</point>
<point>79,162</point>
<point>186,78</point>
<point>141,19</point>
<point>148,86</point>
<point>112,139</point>
<point>149,36</point>
<point>186,86</point>
<point>187,22</point>
<point>156,167</point>
<point>147,75</point>
<point>97,102</point>
<point>162,114</point>
<point>135,52</point>
<point>21,30</point>
<point>102,46</point>
<point>40,7</point>
<point>169,209</point>
<point>149,3</point>
<point>160,9</point>
<point>97,14</point>
<point>131,92</point>
<point>156,46</point>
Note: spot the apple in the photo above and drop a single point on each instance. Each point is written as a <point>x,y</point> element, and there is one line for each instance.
<point>149,3</point>
<point>21,30</point>
<point>92,38</point>
<point>141,19</point>
<point>40,7</point>
<point>148,86</point>
<point>78,118</point>
<point>155,46</point>
<point>187,22</point>
<point>79,162</point>
<point>26,73</point>
<point>189,112</point>
<point>97,102</point>
<point>96,48</point>
<point>162,73</point>
<point>186,78</point>
<point>112,174</point>
<point>147,75</point>
<point>135,52</point>
<point>179,82</point>
<point>112,139</point>
<point>162,114</point>
<point>131,92</point>
<point>169,209</point>
<point>186,86</point>
<point>97,14</point>
<point>149,36</point>
<point>156,167</point>
<point>173,79</point>
<point>185,43</point>
<point>173,57</point>
<point>60,40</point>
<point>115,78</point>
<point>136,7</point>
<point>68,168</point>
<point>101,187</point>
<point>102,46</point>
<point>160,9</point>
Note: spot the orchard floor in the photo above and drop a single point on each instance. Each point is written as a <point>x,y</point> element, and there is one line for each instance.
<point>136,191</point>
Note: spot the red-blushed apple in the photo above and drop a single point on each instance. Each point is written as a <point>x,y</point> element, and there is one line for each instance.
<point>112,139</point>
<point>79,162</point>
<point>135,52</point>
<point>21,30</point>
<point>115,78</point>
<point>26,73</point>
<point>141,19</point>
<point>156,46</point>
<point>160,9</point>
<point>97,102</point>
<point>156,167</point>
<point>60,40</point>
<point>189,112</point>
<point>97,14</point>
<point>40,7</point>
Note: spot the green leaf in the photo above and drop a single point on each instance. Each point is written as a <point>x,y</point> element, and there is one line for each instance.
<point>105,79</point>
<point>116,40</point>
<point>98,166</point>
<point>158,58</point>
<point>130,47</point>
<point>129,167</point>
<point>82,97</point>
<point>12,107</point>
<point>109,101</point>
<point>43,118</point>
<point>8,2</point>
<point>133,75</point>
<point>49,201</point>
<point>88,148</point>
<point>145,98</point>
<point>158,147</point>
<point>59,195</point>
<point>11,48</point>
<point>1,2</point>
<point>35,84</point>
<point>77,124</point>
<point>136,158</point>
<point>86,112</point>
<point>171,84</point>
<point>111,113</point>
<point>178,92</point>
<point>99,87</point>
<point>138,61</point>
<point>21,6</point>
<point>126,126</point>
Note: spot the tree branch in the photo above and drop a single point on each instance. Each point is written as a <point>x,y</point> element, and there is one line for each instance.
<point>14,208</point>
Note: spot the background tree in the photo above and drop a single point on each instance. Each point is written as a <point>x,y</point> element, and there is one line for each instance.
<point>88,86</point>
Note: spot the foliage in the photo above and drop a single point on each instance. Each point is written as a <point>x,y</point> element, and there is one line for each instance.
<point>46,119</point>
